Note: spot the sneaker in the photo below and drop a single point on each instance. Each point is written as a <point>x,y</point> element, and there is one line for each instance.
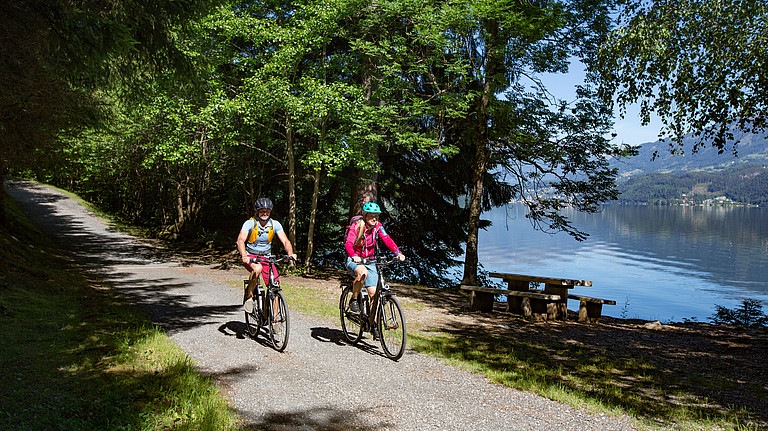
<point>248,305</point>
<point>376,334</point>
<point>353,306</point>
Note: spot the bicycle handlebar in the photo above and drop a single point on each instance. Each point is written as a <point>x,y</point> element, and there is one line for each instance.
<point>270,259</point>
<point>381,261</point>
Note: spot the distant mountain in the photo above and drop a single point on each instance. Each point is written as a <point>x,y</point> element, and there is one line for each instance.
<point>751,149</point>
<point>738,184</point>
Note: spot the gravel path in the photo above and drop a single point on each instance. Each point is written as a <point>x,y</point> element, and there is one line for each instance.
<point>310,385</point>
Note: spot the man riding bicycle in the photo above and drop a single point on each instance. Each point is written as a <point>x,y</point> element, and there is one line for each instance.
<point>255,242</point>
<point>359,244</point>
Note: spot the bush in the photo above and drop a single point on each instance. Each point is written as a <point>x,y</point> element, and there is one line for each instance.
<point>749,315</point>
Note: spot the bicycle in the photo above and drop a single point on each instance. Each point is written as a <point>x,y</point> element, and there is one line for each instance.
<point>269,307</point>
<point>387,323</point>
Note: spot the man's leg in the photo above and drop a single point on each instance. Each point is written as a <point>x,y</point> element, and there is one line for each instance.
<point>253,279</point>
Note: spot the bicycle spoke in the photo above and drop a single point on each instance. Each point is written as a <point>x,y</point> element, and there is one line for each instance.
<point>253,322</point>
<point>391,324</point>
<point>350,322</point>
<point>279,322</point>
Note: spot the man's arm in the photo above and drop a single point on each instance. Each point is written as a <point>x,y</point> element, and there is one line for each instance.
<point>241,246</point>
<point>286,243</point>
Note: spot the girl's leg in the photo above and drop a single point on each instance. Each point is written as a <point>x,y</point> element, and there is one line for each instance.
<point>371,281</point>
<point>361,274</point>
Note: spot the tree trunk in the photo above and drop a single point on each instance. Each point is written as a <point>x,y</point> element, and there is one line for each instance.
<point>366,191</point>
<point>250,199</point>
<point>3,217</point>
<point>475,209</point>
<point>312,215</point>
<point>493,65</point>
<point>291,181</point>
<point>313,211</point>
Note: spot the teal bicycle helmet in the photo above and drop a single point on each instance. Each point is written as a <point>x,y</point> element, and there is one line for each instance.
<point>371,207</point>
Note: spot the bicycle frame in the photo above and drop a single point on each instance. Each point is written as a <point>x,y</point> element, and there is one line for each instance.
<point>382,288</point>
<point>380,315</point>
<point>269,305</point>
<point>272,285</point>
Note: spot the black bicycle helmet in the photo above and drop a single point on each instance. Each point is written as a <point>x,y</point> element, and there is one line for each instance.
<point>263,203</point>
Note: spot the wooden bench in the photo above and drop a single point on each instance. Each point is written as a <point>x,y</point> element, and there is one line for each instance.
<point>552,286</point>
<point>530,303</point>
<point>590,309</point>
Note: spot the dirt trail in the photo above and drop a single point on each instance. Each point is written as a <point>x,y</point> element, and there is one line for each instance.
<point>319,382</point>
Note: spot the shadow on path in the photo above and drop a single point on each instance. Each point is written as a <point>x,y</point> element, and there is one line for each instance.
<point>322,419</point>
<point>116,258</point>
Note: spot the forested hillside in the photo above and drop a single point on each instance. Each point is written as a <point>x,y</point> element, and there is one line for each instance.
<point>659,175</point>
<point>745,184</point>
<point>658,157</point>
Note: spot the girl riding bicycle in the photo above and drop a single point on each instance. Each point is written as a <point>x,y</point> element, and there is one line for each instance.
<point>360,243</point>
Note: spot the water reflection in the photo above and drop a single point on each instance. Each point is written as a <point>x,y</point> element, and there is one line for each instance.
<point>661,263</point>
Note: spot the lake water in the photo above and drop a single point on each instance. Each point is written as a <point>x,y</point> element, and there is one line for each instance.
<point>657,263</point>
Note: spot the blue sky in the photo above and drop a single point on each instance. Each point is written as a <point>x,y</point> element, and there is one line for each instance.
<point>628,130</point>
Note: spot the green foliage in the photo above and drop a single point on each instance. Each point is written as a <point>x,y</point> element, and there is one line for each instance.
<point>697,65</point>
<point>426,100</point>
<point>60,58</point>
<point>749,315</point>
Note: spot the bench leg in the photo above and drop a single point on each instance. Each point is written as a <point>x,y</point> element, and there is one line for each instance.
<point>539,309</point>
<point>590,312</point>
<point>560,307</point>
<point>514,304</point>
<point>481,301</point>
<point>553,310</point>
<point>531,308</point>
<point>526,308</point>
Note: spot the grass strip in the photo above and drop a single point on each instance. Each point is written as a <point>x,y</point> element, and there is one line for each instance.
<point>76,356</point>
<point>586,378</point>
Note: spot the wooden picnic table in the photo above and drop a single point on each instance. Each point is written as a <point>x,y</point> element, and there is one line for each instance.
<point>552,286</point>
<point>549,303</point>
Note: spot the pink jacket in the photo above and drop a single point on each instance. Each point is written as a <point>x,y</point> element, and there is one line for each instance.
<point>367,246</point>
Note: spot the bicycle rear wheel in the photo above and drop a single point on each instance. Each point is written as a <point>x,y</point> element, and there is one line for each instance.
<point>391,324</point>
<point>350,322</point>
<point>279,322</point>
<point>252,321</point>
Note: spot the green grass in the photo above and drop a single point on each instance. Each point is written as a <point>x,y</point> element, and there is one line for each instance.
<point>311,301</point>
<point>596,382</point>
<point>579,376</point>
<point>76,356</point>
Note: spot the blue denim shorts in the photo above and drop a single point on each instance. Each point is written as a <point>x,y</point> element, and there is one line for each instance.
<point>373,276</point>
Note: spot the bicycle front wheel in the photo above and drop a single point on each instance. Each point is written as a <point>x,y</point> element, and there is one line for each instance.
<point>350,322</point>
<point>391,324</point>
<point>279,322</point>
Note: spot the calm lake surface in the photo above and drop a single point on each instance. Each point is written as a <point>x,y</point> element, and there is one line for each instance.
<point>657,263</point>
